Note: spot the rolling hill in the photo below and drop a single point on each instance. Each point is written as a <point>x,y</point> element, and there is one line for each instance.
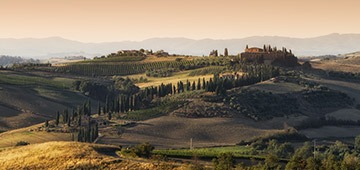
<point>27,99</point>
<point>58,47</point>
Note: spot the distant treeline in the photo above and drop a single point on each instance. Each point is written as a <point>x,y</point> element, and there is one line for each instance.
<point>9,60</point>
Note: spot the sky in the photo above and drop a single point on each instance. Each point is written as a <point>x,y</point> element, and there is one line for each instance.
<point>136,20</point>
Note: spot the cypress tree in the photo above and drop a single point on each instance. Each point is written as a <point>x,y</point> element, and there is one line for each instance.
<point>116,103</point>
<point>109,115</point>
<point>73,114</point>
<point>46,123</point>
<point>78,110</point>
<point>87,134</point>
<point>57,118</point>
<point>193,86</point>
<point>199,84</point>
<point>80,135</point>
<point>179,88</point>
<point>226,53</point>
<point>96,130</point>
<point>204,84</point>
<point>107,104</point>
<point>182,86</point>
<point>122,104</point>
<point>79,121</point>
<point>99,109</point>
<point>65,116</point>
<point>188,85</point>
<point>89,107</point>
<point>83,110</point>
<point>68,122</point>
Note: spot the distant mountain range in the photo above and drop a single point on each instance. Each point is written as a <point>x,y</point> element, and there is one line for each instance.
<point>331,44</point>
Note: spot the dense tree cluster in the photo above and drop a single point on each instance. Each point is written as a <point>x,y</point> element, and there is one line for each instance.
<point>253,75</point>
<point>224,161</point>
<point>91,89</point>
<point>142,150</point>
<point>159,73</point>
<point>260,105</point>
<point>88,133</point>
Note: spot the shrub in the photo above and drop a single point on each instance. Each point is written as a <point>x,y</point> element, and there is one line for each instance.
<point>22,143</point>
<point>224,161</point>
<point>143,150</point>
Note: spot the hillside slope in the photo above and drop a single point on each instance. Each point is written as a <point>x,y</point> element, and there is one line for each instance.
<point>71,155</point>
<point>27,100</point>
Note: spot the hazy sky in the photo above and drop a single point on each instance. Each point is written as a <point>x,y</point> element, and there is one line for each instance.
<point>117,20</point>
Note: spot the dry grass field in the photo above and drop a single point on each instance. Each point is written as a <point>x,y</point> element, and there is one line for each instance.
<point>175,132</point>
<point>54,155</point>
<point>29,134</point>
<point>153,58</point>
<point>277,88</point>
<point>332,132</point>
<point>75,155</point>
<point>331,66</point>
<point>176,77</point>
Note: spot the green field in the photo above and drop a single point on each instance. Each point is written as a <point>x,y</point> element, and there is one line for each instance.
<point>116,59</point>
<point>237,151</point>
<point>207,70</point>
<point>16,79</point>
<point>152,112</point>
<point>175,78</point>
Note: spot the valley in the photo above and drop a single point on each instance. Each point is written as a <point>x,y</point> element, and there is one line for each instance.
<point>175,103</point>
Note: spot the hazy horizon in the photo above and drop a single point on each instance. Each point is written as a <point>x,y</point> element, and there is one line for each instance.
<point>137,20</point>
<point>140,40</point>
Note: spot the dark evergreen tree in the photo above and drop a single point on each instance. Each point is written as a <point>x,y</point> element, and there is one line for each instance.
<point>226,53</point>
<point>188,85</point>
<point>193,86</point>
<point>79,121</point>
<point>109,115</point>
<point>182,86</point>
<point>204,84</point>
<point>199,84</point>
<point>99,108</point>
<point>68,122</point>
<point>46,123</point>
<point>57,118</point>
<point>107,104</point>
<point>89,107</point>
<point>73,114</point>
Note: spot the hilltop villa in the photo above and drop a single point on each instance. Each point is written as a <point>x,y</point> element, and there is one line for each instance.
<point>268,55</point>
